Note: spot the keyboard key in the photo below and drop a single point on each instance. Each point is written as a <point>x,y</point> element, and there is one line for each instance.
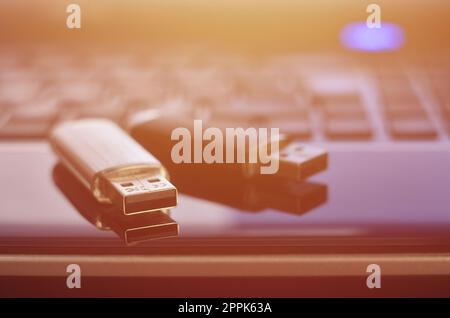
<point>101,112</point>
<point>331,84</point>
<point>71,110</point>
<point>77,90</point>
<point>247,109</point>
<point>389,86</point>
<point>336,102</point>
<point>30,120</point>
<point>19,91</point>
<point>17,127</point>
<point>294,127</point>
<point>405,112</point>
<point>445,113</point>
<point>344,117</point>
<point>342,98</point>
<point>41,110</point>
<point>143,89</point>
<point>445,107</point>
<point>70,104</point>
<point>401,100</point>
<point>347,129</point>
<point>413,128</point>
<point>350,110</point>
<point>13,130</point>
<point>249,113</point>
<point>441,86</point>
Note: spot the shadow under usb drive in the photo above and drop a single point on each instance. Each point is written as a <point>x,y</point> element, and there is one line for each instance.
<point>229,187</point>
<point>132,229</point>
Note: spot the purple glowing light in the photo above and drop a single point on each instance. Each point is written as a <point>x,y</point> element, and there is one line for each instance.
<point>358,36</point>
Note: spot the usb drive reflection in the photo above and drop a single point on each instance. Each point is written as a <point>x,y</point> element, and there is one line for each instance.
<point>229,187</point>
<point>132,229</point>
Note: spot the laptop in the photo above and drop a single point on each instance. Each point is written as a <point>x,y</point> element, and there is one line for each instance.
<point>375,98</point>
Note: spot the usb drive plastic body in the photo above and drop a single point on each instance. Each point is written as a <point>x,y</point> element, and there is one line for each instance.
<point>113,166</point>
<point>296,160</point>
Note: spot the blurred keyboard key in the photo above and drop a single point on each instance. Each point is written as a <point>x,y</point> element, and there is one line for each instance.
<point>401,100</point>
<point>77,90</point>
<point>29,120</point>
<point>405,112</point>
<point>413,128</point>
<point>294,127</point>
<point>16,127</point>
<point>396,86</point>
<point>108,113</point>
<point>445,110</point>
<point>354,111</point>
<point>348,129</point>
<point>110,110</point>
<point>19,91</point>
<point>36,110</point>
<point>247,113</point>
<point>70,104</point>
<point>342,99</point>
<point>331,83</point>
<point>441,85</point>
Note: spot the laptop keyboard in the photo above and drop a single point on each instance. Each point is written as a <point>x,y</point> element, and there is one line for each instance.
<point>322,98</point>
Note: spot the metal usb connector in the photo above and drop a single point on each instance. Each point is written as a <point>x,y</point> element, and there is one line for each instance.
<point>141,193</point>
<point>299,161</point>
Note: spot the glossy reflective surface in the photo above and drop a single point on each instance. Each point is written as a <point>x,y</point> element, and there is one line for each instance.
<point>365,193</point>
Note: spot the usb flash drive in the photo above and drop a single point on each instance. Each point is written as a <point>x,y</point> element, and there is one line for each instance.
<point>296,161</point>
<point>113,166</point>
<point>132,229</point>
